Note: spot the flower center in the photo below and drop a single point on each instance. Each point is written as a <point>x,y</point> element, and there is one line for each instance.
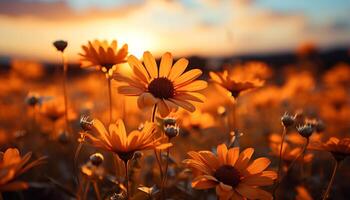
<point>161,88</point>
<point>228,175</point>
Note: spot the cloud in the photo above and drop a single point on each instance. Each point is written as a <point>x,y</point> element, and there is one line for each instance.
<point>58,10</point>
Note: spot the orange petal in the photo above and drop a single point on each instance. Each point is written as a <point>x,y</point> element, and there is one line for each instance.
<point>222,153</point>
<point>187,77</point>
<point>243,159</point>
<point>150,63</point>
<point>178,68</point>
<point>194,86</point>
<point>258,165</point>
<point>232,156</point>
<point>165,64</point>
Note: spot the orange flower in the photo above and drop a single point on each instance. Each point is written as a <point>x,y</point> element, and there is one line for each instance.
<point>54,110</point>
<point>103,55</point>
<point>117,141</point>
<point>167,86</point>
<point>227,82</point>
<point>231,173</point>
<point>11,166</point>
<point>302,194</point>
<point>340,148</point>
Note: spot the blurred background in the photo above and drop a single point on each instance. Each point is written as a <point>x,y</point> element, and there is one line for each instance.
<point>207,28</point>
<point>300,49</point>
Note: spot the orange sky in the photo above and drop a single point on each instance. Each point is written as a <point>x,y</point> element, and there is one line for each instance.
<point>210,28</point>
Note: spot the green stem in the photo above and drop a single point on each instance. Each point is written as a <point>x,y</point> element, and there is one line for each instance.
<point>325,196</point>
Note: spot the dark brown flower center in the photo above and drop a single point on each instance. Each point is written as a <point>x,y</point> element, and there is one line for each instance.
<point>161,88</point>
<point>228,175</point>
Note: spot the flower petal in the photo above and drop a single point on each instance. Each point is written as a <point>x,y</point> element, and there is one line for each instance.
<point>258,165</point>
<point>222,153</point>
<point>150,64</point>
<point>165,65</point>
<point>178,68</point>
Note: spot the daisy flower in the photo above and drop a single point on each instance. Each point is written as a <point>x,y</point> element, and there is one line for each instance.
<point>103,55</point>
<point>340,148</point>
<point>166,86</point>
<point>12,165</point>
<point>231,173</point>
<point>232,86</point>
<point>117,141</point>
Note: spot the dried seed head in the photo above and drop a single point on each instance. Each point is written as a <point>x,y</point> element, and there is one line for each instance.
<point>60,45</point>
<point>318,125</point>
<point>287,120</point>
<point>33,99</point>
<point>86,123</point>
<point>96,159</point>
<point>171,131</point>
<point>305,130</point>
<point>169,121</point>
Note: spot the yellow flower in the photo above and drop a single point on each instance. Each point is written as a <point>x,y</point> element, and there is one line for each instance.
<point>117,141</point>
<point>103,55</point>
<point>11,166</point>
<point>227,82</point>
<point>231,173</point>
<point>167,86</point>
<point>340,148</point>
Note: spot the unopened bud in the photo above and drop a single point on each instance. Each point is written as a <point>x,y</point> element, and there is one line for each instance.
<point>305,130</point>
<point>287,120</point>
<point>96,159</point>
<point>171,131</point>
<point>169,122</point>
<point>60,45</point>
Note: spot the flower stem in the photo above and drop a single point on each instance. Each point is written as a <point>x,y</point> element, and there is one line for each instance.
<point>336,166</point>
<point>154,112</point>
<point>126,179</point>
<point>86,190</point>
<point>293,163</point>
<point>155,151</point>
<point>110,100</point>
<point>280,161</point>
<point>65,68</point>
<point>97,191</point>
<point>166,170</point>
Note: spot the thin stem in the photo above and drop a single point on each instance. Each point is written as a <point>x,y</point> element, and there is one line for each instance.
<point>86,190</point>
<point>234,115</point>
<point>154,112</point>
<point>155,151</point>
<point>110,100</point>
<point>97,190</point>
<point>336,166</point>
<point>280,161</point>
<point>65,68</point>
<point>126,179</point>
<point>293,162</point>
<point>166,170</point>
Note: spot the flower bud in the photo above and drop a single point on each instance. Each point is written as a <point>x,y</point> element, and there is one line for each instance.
<point>60,45</point>
<point>305,130</point>
<point>171,131</point>
<point>287,120</point>
<point>86,123</point>
<point>169,122</point>
<point>96,159</point>
<point>33,99</point>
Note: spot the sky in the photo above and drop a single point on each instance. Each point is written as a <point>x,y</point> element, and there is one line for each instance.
<point>183,27</point>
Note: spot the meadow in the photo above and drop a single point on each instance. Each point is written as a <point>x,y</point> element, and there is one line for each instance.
<point>121,127</point>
